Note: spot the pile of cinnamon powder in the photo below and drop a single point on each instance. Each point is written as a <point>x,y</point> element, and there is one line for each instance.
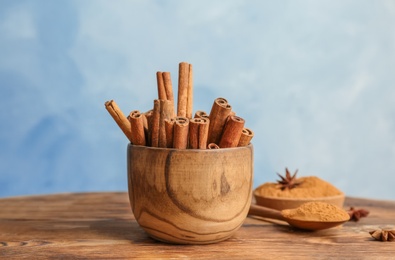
<point>316,211</point>
<point>310,187</point>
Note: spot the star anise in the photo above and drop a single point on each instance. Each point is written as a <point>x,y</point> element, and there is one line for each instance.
<point>288,182</point>
<point>383,234</point>
<point>356,214</point>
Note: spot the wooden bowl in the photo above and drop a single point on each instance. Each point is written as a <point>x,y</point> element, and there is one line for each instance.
<point>281,203</point>
<point>190,196</point>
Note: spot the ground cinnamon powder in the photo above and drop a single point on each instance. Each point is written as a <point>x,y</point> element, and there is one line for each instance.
<point>316,211</point>
<point>310,187</point>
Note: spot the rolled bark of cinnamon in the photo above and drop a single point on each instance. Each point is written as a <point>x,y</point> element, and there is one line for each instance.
<point>169,127</point>
<point>194,133</point>
<point>218,116</point>
<point>168,85</point>
<point>119,118</point>
<point>232,132</point>
<point>190,93</point>
<point>201,114</point>
<point>180,134</point>
<point>161,85</point>
<point>185,90</point>
<point>148,126</point>
<point>169,90</point>
<point>155,124</point>
<point>136,120</point>
<point>198,132</point>
<point>146,118</point>
<point>203,132</point>
<point>212,146</point>
<point>166,112</point>
<point>246,136</point>
<point>165,88</point>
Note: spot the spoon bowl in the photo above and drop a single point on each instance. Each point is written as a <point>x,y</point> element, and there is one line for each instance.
<point>313,225</point>
<point>301,224</point>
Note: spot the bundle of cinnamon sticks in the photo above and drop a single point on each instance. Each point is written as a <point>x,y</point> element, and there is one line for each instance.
<point>165,127</point>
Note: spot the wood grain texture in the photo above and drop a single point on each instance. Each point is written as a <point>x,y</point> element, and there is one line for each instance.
<point>190,196</point>
<point>102,226</point>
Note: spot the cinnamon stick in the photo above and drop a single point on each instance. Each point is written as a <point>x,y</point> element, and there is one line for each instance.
<point>198,132</point>
<point>168,86</point>
<point>148,126</point>
<point>201,114</point>
<point>155,124</point>
<point>232,132</point>
<point>218,116</point>
<point>185,90</point>
<point>165,88</point>
<point>203,132</point>
<point>136,120</point>
<point>212,146</point>
<point>190,93</point>
<point>119,118</point>
<point>166,112</point>
<point>180,134</point>
<point>246,136</point>
<point>194,133</point>
<point>161,85</point>
<point>169,90</point>
<point>169,127</point>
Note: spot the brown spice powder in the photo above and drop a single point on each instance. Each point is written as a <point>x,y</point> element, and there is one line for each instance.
<point>311,187</point>
<point>316,211</point>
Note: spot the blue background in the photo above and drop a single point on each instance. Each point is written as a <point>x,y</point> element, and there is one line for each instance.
<point>313,79</point>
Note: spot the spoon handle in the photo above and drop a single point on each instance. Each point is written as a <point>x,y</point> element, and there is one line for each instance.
<point>265,212</point>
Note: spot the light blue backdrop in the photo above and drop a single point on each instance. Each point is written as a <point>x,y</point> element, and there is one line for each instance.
<point>313,79</point>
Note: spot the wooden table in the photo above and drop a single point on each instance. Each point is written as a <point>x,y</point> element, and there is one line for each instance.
<point>101,226</point>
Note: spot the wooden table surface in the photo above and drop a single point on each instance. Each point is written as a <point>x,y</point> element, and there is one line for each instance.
<point>101,226</point>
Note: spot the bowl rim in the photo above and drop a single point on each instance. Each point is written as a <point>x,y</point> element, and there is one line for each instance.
<point>338,196</point>
<point>249,146</point>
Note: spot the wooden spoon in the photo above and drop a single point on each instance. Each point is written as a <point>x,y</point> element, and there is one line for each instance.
<point>302,224</point>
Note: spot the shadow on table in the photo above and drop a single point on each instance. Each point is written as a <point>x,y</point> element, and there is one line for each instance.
<point>120,229</point>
